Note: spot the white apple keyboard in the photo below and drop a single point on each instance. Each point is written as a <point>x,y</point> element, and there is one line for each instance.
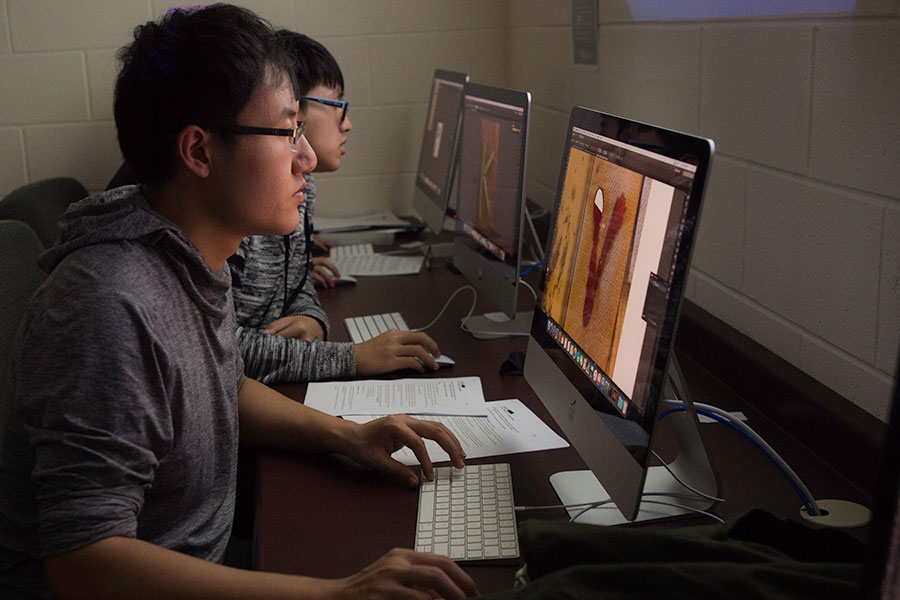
<point>468,514</point>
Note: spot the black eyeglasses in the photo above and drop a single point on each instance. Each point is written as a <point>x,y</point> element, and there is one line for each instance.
<point>342,104</point>
<point>294,134</point>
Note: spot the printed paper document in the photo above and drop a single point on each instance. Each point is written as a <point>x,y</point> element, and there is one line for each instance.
<point>383,220</point>
<point>445,396</point>
<point>509,428</point>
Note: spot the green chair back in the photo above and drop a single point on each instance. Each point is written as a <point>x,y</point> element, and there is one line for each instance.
<point>20,277</point>
<point>40,205</point>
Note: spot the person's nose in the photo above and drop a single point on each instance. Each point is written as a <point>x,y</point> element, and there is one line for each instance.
<point>305,159</point>
<point>346,125</point>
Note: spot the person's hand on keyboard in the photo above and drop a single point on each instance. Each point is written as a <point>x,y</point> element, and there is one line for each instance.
<point>321,243</point>
<point>402,573</point>
<point>395,350</point>
<point>372,444</point>
<point>296,326</point>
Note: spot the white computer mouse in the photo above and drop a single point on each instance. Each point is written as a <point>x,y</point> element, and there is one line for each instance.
<point>444,361</point>
<point>344,280</point>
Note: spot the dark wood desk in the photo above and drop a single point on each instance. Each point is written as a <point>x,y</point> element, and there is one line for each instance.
<point>324,516</point>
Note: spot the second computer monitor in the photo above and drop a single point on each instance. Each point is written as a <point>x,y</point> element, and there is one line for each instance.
<point>600,352</point>
<point>437,157</point>
<point>493,146</point>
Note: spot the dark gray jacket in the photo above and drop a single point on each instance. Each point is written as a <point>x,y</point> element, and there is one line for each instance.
<point>123,417</point>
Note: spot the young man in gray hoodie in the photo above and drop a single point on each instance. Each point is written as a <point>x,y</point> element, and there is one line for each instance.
<point>119,444</point>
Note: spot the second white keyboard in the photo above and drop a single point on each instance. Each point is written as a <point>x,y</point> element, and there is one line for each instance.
<point>468,514</point>
<point>361,329</point>
<point>350,250</point>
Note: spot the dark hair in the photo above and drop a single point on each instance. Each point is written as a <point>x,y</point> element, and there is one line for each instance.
<point>194,66</point>
<point>313,63</point>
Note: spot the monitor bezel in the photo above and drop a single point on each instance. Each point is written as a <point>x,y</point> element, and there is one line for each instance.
<point>487,275</point>
<point>431,208</point>
<point>559,383</point>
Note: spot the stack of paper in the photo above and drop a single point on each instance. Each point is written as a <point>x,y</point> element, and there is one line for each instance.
<point>509,428</point>
<point>385,221</point>
<point>446,396</point>
<point>375,228</point>
<point>482,428</point>
<point>362,260</point>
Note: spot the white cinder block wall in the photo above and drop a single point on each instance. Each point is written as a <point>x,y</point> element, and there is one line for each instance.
<point>799,240</point>
<point>799,244</point>
<point>57,68</point>
<point>388,51</point>
<point>57,72</point>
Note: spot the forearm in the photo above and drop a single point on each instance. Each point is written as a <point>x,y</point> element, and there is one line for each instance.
<point>273,359</point>
<point>307,304</point>
<point>271,419</point>
<point>119,567</point>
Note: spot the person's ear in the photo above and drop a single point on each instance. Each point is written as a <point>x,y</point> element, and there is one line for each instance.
<point>192,147</point>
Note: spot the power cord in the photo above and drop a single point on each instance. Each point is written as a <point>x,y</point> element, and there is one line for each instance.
<point>531,268</point>
<point>465,319</point>
<point>598,502</point>
<point>464,326</point>
<point>528,285</point>
<point>447,303</point>
<point>727,419</point>
<point>684,484</point>
<point>586,506</point>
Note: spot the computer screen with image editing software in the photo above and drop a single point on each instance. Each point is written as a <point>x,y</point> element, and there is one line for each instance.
<point>437,156</point>
<point>488,243</point>
<point>626,214</point>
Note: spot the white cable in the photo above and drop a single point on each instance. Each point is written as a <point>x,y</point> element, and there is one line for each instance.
<point>763,444</point>
<point>644,500</point>
<point>447,303</point>
<point>587,508</point>
<point>591,505</point>
<point>550,506</point>
<point>683,483</point>
<point>687,508</point>
<point>463,324</point>
<point>528,285</point>
<point>599,502</point>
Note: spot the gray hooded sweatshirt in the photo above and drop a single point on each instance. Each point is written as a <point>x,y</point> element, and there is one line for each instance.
<point>122,416</point>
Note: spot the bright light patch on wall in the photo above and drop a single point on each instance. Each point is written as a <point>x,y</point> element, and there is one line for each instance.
<point>656,10</point>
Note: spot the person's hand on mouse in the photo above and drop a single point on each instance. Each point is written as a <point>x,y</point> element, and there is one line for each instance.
<point>324,272</point>
<point>394,350</point>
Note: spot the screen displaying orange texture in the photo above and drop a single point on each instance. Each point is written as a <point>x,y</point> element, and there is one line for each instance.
<point>589,270</point>
<point>487,188</point>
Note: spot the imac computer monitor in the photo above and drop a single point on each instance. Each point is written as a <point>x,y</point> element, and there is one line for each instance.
<point>437,157</point>
<point>489,217</point>
<point>600,350</point>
